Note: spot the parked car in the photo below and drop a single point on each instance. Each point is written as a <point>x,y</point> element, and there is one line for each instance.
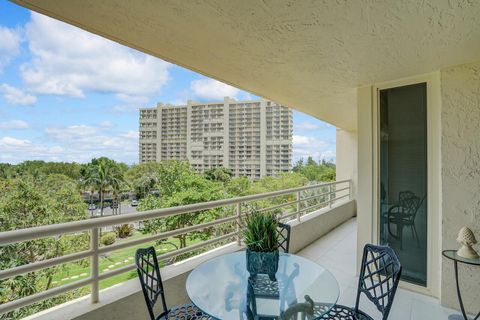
<point>134,203</point>
<point>92,206</point>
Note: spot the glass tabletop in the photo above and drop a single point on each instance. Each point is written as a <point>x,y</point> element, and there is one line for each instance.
<point>221,287</point>
<point>452,254</point>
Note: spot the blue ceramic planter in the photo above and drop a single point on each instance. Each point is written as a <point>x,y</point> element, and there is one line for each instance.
<point>262,263</point>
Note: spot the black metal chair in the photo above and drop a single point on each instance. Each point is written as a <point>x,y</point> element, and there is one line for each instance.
<point>152,287</point>
<point>378,281</point>
<point>403,215</point>
<point>284,237</point>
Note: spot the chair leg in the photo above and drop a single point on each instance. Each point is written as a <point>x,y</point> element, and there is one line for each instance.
<point>416,235</point>
<point>400,235</point>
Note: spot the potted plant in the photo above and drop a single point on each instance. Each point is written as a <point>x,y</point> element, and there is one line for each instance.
<point>261,239</point>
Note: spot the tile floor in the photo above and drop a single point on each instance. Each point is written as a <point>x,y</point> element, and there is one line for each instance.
<point>336,252</point>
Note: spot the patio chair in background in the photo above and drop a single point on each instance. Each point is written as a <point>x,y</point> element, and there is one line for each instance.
<point>152,287</point>
<point>378,281</point>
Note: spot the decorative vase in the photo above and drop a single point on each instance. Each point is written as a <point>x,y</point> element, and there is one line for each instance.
<point>262,263</point>
<point>467,239</point>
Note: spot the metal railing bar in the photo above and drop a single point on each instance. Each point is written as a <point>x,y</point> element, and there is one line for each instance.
<point>165,235</point>
<point>168,255</point>
<point>324,194</point>
<point>316,205</point>
<point>94,252</point>
<point>9,273</point>
<point>315,196</point>
<point>19,303</point>
<point>19,235</point>
<point>341,197</point>
<point>289,215</point>
<point>278,206</point>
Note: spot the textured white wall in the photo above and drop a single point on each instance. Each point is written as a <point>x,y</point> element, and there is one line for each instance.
<point>347,160</point>
<point>460,88</point>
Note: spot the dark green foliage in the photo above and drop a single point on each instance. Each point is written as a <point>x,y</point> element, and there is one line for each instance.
<point>260,232</point>
<point>320,172</point>
<point>103,175</point>
<point>39,168</point>
<point>220,174</point>
<point>124,230</point>
<point>28,202</point>
<point>108,239</point>
<point>178,185</point>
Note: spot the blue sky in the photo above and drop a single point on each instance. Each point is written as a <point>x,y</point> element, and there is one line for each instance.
<point>68,95</point>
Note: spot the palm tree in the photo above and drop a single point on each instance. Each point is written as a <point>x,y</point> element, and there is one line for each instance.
<point>89,180</point>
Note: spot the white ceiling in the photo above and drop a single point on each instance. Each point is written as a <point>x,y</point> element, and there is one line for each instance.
<point>310,55</point>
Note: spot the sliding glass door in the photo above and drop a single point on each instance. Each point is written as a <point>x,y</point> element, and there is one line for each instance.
<point>403,177</point>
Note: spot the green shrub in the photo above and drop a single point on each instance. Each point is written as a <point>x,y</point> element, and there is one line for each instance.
<point>108,239</point>
<point>124,231</point>
<point>260,232</point>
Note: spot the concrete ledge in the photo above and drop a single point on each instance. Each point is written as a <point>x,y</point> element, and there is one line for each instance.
<point>318,223</point>
<point>125,300</point>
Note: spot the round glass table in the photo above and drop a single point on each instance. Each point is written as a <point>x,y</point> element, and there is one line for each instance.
<point>223,288</point>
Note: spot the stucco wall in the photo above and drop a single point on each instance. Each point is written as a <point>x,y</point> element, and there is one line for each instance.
<point>460,89</point>
<point>346,160</point>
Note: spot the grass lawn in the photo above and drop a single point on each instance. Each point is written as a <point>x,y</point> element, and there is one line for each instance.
<point>75,271</point>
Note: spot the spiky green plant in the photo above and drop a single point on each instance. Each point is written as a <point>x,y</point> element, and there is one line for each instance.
<point>260,233</point>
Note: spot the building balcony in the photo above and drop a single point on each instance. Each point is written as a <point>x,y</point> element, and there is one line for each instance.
<point>327,236</point>
<point>326,209</point>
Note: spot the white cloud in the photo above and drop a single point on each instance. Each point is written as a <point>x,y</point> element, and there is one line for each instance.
<point>298,140</point>
<point>130,103</point>
<point>315,147</point>
<point>16,96</point>
<point>14,142</point>
<point>132,134</point>
<point>74,132</point>
<point>106,124</point>
<point>79,143</point>
<point>305,125</point>
<point>13,124</point>
<point>212,89</point>
<point>9,45</point>
<point>69,61</point>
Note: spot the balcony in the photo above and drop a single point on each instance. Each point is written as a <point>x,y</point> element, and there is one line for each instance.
<point>312,211</point>
<point>327,236</point>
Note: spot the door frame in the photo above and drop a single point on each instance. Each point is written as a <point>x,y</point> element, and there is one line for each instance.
<point>434,195</point>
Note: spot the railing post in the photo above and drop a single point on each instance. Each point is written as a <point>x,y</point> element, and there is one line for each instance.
<point>298,205</point>
<point>239,221</point>
<point>94,264</point>
<point>350,189</point>
<point>330,195</point>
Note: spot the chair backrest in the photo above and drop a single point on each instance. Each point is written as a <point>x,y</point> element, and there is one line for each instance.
<point>283,237</point>
<point>379,276</point>
<point>150,279</point>
<point>402,195</point>
<point>410,205</point>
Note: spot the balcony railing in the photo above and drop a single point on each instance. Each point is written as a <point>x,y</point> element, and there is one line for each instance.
<point>306,199</point>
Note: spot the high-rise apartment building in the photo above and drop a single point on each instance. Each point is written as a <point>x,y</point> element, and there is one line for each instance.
<point>252,138</point>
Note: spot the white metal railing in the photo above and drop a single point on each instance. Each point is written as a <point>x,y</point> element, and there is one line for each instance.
<point>332,192</point>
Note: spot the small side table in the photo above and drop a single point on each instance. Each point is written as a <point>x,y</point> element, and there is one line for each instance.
<point>452,255</point>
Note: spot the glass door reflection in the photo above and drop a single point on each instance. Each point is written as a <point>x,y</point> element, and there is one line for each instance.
<point>403,177</point>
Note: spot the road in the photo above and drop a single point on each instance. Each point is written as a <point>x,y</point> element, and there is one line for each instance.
<point>126,208</point>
